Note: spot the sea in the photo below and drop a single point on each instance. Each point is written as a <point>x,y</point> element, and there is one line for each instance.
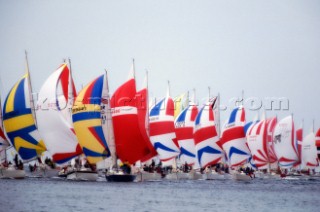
<point>43,194</point>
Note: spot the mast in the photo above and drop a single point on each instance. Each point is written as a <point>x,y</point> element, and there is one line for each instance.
<point>30,89</point>
<point>110,126</point>
<point>70,88</point>
<point>209,92</point>
<point>147,102</point>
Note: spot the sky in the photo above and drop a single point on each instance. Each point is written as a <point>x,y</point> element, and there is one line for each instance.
<point>267,49</point>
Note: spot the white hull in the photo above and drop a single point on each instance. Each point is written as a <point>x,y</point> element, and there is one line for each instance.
<point>147,176</point>
<point>241,176</point>
<point>196,176</point>
<point>12,173</point>
<point>39,173</point>
<point>177,176</point>
<point>214,176</point>
<point>82,176</point>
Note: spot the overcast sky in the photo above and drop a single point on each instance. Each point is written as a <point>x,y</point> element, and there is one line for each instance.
<point>266,48</point>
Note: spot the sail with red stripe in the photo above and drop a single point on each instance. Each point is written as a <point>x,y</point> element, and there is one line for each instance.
<point>318,143</point>
<point>309,157</point>
<point>143,116</point>
<point>87,120</point>
<point>184,128</point>
<point>162,130</point>
<point>284,143</point>
<point>233,138</point>
<point>257,142</point>
<point>299,141</point>
<point>270,125</point>
<point>130,143</point>
<point>209,151</point>
<point>55,101</point>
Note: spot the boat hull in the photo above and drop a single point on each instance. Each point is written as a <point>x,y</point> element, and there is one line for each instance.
<point>120,177</point>
<point>214,176</point>
<point>82,175</point>
<point>148,176</point>
<point>240,176</point>
<point>12,174</point>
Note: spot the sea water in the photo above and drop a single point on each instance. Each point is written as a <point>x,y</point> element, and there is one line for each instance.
<point>225,195</point>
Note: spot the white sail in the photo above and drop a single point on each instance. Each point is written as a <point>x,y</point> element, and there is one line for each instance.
<point>284,146</point>
<point>309,152</point>
<point>54,123</point>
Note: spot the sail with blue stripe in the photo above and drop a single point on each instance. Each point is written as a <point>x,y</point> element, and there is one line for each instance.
<point>86,115</point>
<point>19,121</point>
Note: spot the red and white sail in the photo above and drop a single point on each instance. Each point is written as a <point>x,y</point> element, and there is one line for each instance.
<point>162,130</point>
<point>184,128</point>
<point>309,157</point>
<point>55,101</point>
<point>143,116</point>
<point>233,138</point>
<point>318,143</point>
<point>130,143</point>
<point>209,151</point>
<point>284,143</point>
<point>257,142</point>
<point>270,125</point>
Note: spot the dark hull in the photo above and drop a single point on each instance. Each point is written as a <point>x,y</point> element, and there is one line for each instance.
<point>120,177</point>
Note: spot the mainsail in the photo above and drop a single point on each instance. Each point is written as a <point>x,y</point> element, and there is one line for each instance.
<point>19,121</point>
<point>284,145</point>
<point>86,116</point>
<point>209,151</point>
<point>233,138</point>
<point>55,101</point>
<point>318,143</point>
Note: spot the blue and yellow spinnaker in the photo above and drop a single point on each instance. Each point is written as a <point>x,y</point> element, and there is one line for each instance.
<point>19,122</point>
<point>86,115</point>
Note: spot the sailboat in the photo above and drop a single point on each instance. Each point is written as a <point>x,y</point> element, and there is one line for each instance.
<point>209,151</point>
<point>143,115</point>
<point>309,157</point>
<point>130,146</point>
<point>284,144</point>
<point>19,121</point>
<point>7,171</point>
<point>87,112</point>
<point>54,116</point>
<point>270,125</point>
<point>162,132</point>
<point>233,141</point>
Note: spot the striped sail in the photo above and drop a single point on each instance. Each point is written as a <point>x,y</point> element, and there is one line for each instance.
<point>19,122</point>
<point>55,102</point>
<point>143,116</point>
<point>299,138</point>
<point>284,144</point>
<point>184,127</point>
<point>257,142</point>
<point>234,140</point>
<point>318,143</point>
<point>162,131</point>
<point>209,151</point>
<point>309,155</point>
<point>270,125</point>
<point>130,144</point>
<point>86,116</point>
